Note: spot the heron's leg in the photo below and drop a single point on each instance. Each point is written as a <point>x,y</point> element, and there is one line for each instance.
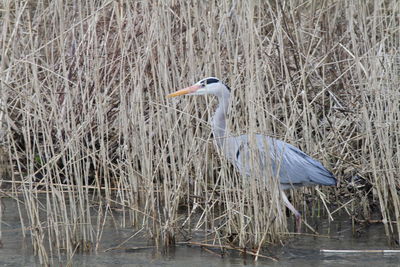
<point>292,209</point>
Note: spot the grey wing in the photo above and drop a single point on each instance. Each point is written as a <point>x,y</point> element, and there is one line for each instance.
<point>293,167</point>
<point>237,151</point>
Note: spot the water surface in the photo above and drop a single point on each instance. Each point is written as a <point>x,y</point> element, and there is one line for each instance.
<point>299,250</point>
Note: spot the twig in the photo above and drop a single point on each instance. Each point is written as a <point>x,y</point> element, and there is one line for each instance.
<point>360,251</point>
<point>310,227</point>
<point>193,243</point>
<point>212,252</point>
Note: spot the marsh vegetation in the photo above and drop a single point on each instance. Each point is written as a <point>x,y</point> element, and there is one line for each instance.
<point>87,128</point>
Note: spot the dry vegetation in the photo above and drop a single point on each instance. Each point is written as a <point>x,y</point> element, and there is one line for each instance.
<point>88,129</point>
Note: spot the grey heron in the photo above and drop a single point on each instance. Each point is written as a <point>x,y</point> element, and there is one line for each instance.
<point>292,166</point>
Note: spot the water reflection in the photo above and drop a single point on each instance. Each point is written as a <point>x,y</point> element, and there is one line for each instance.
<point>300,250</point>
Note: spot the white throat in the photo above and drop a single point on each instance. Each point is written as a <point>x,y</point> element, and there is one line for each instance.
<point>218,122</point>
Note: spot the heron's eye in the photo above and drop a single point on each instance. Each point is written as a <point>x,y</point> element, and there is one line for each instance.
<point>203,84</point>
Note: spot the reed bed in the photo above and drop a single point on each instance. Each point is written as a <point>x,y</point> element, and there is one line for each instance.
<point>88,130</point>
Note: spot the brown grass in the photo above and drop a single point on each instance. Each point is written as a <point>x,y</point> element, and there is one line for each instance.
<point>87,126</point>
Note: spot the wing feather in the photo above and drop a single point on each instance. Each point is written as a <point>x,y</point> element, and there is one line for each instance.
<point>294,166</point>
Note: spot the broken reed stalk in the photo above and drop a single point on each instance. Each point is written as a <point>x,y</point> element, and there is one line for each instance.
<point>82,98</point>
<point>358,251</point>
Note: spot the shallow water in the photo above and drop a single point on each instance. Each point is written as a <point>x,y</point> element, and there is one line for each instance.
<point>301,250</point>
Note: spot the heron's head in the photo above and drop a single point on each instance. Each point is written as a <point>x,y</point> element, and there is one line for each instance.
<point>207,86</point>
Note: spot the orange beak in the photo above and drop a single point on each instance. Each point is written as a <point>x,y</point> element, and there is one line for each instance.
<point>185,91</point>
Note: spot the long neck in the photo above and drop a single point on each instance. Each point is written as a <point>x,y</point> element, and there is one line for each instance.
<point>218,122</point>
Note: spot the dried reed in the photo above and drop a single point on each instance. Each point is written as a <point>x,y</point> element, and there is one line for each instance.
<point>87,123</point>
